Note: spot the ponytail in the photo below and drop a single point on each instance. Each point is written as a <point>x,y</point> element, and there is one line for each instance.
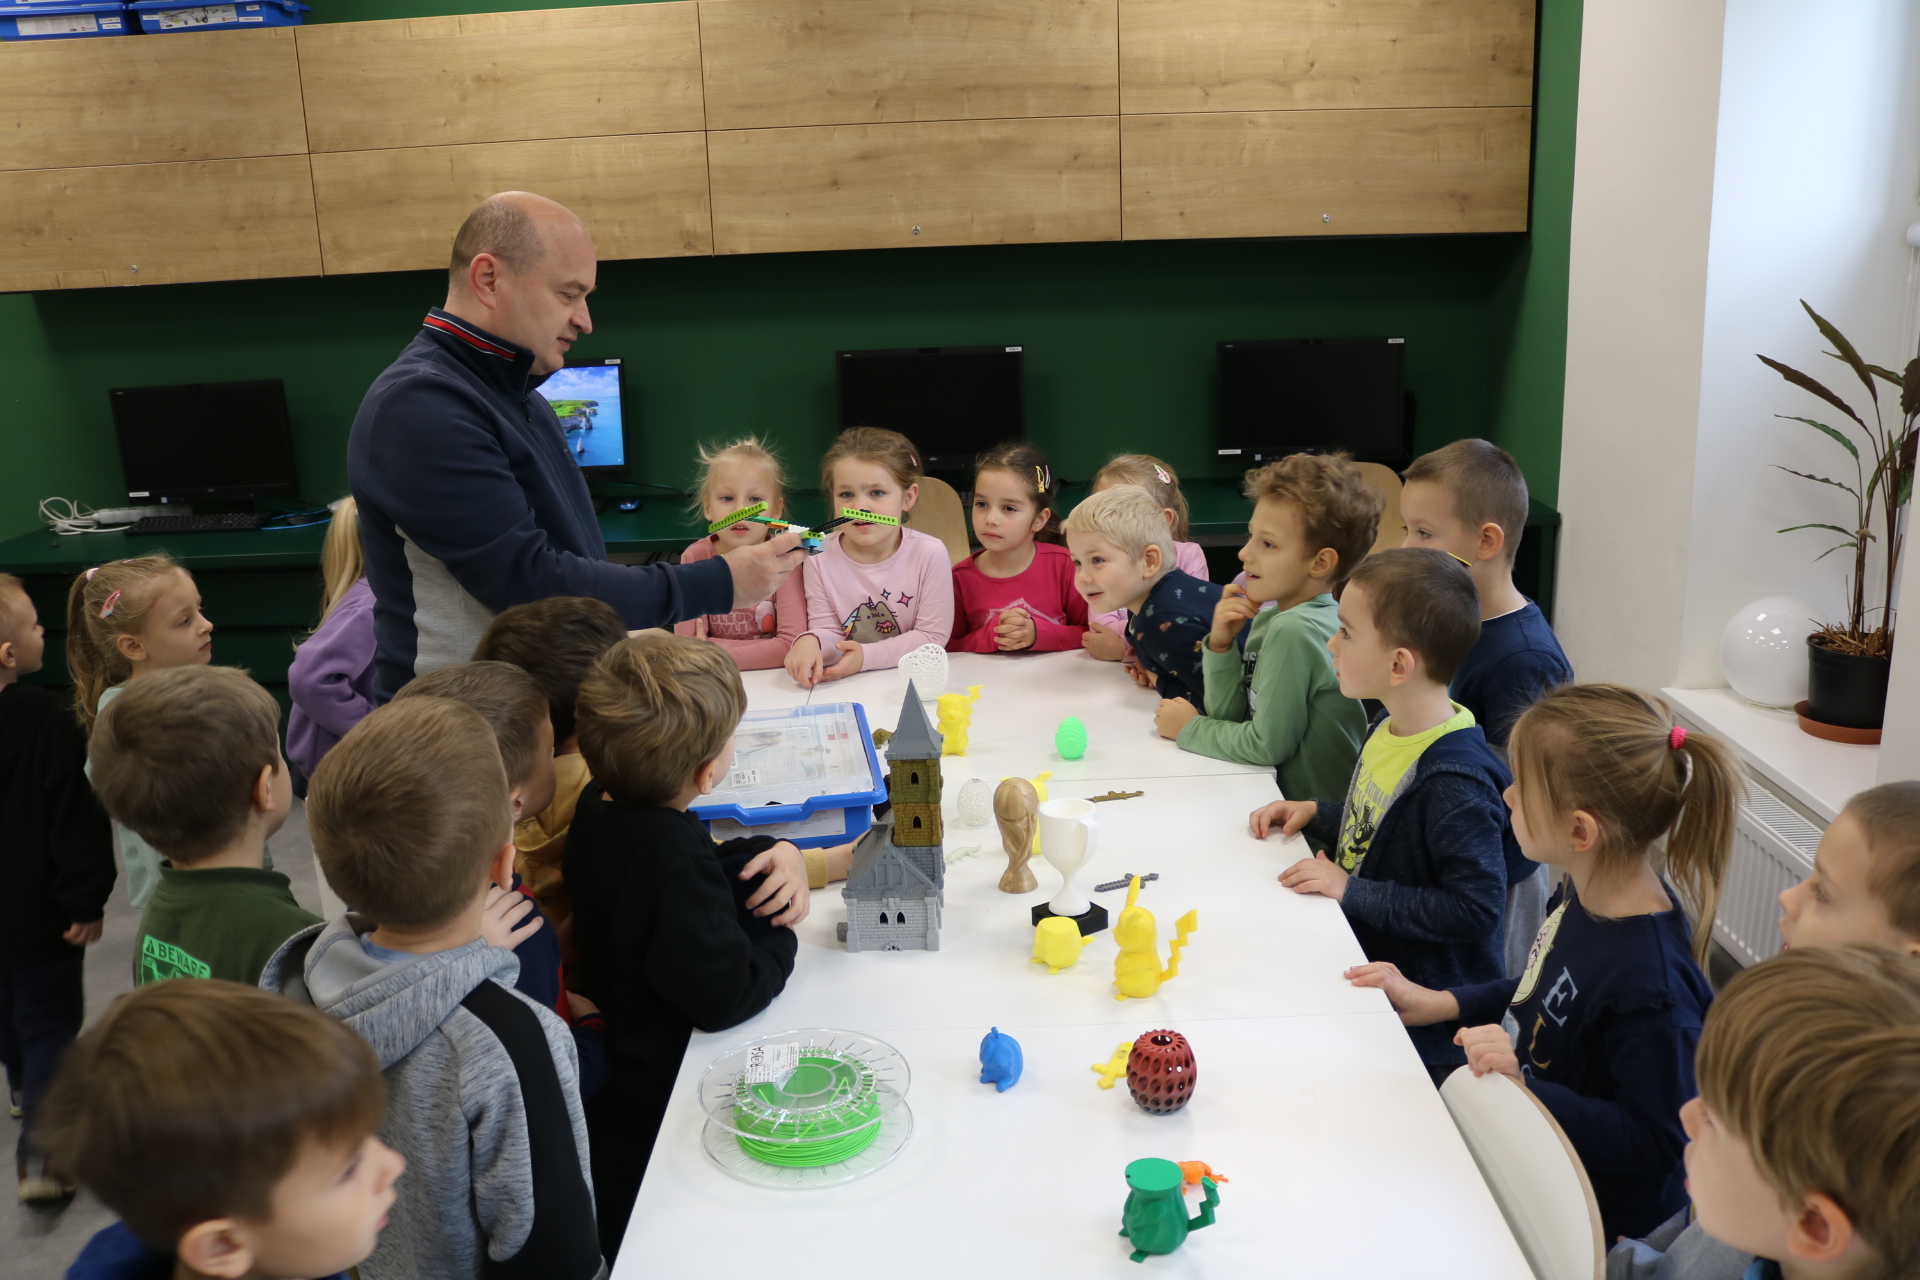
<point>343,560</point>
<point>1700,844</point>
<point>103,604</point>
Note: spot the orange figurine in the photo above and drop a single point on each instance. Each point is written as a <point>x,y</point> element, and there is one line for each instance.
<point>1191,1171</point>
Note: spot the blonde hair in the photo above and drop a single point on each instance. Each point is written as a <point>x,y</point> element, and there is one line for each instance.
<point>654,709</point>
<point>888,450</point>
<point>343,561</point>
<point>1484,483</point>
<point>1338,508</point>
<point>1617,753</point>
<point>1127,516</point>
<point>748,450</point>
<point>16,607</point>
<point>1156,477</point>
<point>104,603</point>
<point>1813,1060</point>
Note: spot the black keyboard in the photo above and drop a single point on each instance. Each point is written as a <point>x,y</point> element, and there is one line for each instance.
<point>229,522</point>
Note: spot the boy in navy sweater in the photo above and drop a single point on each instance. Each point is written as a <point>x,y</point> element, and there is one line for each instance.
<point>1420,847</point>
<point>1470,499</point>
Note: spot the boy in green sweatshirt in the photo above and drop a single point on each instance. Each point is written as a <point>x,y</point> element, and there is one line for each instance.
<point>1277,701</point>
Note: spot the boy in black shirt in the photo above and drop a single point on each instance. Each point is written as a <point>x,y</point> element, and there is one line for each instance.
<point>56,858</point>
<point>675,931</point>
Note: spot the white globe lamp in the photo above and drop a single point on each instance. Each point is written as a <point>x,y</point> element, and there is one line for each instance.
<point>1764,649</point>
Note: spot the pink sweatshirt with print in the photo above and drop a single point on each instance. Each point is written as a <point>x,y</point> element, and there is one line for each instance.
<point>890,608</point>
<point>1044,589</point>
<point>758,638</point>
<point>1188,557</point>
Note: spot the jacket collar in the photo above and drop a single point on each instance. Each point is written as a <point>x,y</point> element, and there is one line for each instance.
<point>505,366</point>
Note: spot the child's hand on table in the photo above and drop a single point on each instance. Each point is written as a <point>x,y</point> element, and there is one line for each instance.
<point>1232,613</point>
<point>1318,874</point>
<point>785,888</point>
<point>1173,715</point>
<point>1141,676</point>
<point>804,662</point>
<point>506,908</point>
<point>1015,631</point>
<point>1489,1049</point>
<point>1285,816</point>
<point>1103,643</point>
<point>1417,1006</point>
<point>852,656</point>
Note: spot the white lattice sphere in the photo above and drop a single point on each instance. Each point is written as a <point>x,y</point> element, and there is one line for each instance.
<point>976,802</point>
<point>927,668</point>
<point>1764,649</point>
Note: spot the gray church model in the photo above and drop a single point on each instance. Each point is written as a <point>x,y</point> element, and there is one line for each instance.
<point>897,882</point>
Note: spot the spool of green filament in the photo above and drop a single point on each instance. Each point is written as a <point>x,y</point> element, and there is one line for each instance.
<point>826,1111</point>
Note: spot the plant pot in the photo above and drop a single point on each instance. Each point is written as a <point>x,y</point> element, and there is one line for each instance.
<point>1846,689</point>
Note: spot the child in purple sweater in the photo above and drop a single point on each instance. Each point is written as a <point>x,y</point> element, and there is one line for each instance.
<point>331,680</point>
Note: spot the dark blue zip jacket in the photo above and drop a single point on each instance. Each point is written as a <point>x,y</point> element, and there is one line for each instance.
<point>1431,894</point>
<point>115,1253</point>
<point>470,503</point>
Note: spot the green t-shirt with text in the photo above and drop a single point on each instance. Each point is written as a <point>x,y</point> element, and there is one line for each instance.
<point>224,922</point>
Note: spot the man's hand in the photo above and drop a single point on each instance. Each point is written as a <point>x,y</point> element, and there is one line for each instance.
<point>1103,643</point>
<point>804,662</point>
<point>1173,716</point>
<point>1284,816</point>
<point>506,908</point>
<point>1015,630</point>
<point>1489,1049</point>
<point>852,656</point>
<point>85,934</point>
<point>1318,874</point>
<point>1232,613</point>
<point>785,888</point>
<point>759,569</point>
<point>1417,1006</point>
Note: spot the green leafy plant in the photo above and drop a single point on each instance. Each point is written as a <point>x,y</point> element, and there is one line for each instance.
<point>1882,484</point>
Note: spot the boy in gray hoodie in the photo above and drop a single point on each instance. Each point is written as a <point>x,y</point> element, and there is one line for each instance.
<point>411,821</point>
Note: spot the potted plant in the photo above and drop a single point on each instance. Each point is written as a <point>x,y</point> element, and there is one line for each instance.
<point>1849,661</point>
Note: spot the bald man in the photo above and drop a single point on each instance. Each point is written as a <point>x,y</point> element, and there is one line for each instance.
<point>469,500</point>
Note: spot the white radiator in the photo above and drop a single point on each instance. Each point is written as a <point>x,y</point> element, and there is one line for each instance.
<point>1772,851</point>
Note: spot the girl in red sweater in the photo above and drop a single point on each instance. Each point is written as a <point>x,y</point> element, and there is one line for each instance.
<point>735,476</point>
<point>1016,592</point>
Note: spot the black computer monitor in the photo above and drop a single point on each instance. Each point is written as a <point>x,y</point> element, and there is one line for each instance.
<point>588,398</point>
<point>212,441</point>
<point>1314,395</point>
<point>954,403</point>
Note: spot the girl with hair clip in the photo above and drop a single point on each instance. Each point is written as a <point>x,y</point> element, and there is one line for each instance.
<point>1602,1024</point>
<point>877,590</point>
<point>1106,635</point>
<point>331,679</point>
<point>125,620</point>
<point>742,474</point>
<point>1017,591</point>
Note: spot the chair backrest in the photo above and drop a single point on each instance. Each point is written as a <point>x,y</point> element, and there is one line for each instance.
<point>939,513</point>
<point>1533,1172</point>
<point>1384,479</point>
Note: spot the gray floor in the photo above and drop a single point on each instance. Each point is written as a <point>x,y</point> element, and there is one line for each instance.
<point>41,1245</point>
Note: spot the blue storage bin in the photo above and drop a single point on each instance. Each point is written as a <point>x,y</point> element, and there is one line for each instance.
<point>163,16</point>
<point>62,19</point>
<point>805,774</point>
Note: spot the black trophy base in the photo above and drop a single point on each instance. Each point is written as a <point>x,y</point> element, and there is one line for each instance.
<point>1092,921</point>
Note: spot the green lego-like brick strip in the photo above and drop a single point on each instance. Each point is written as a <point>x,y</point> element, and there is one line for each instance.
<point>744,513</point>
<point>866,517</point>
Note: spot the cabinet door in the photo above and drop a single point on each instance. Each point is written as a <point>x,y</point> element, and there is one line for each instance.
<point>770,63</point>
<point>502,77</point>
<point>1278,55</point>
<point>899,185</point>
<point>643,196</point>
<point>157,223</point>
<point>213,95</point>
<point>1335,173</point>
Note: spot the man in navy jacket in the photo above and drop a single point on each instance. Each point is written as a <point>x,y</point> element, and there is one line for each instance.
<point>469,501</point>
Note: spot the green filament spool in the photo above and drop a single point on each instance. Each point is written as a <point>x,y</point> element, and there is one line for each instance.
<point>826,1111</point>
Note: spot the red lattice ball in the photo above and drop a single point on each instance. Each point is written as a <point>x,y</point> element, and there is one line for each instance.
<point>1161,1072</point>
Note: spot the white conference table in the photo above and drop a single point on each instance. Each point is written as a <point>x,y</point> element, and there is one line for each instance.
<point>1310,1098</point>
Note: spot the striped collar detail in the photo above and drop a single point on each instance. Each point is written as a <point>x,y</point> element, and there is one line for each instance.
<point>475,338</point>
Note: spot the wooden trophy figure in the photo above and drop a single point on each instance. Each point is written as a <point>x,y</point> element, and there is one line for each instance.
<point>1016,807</point>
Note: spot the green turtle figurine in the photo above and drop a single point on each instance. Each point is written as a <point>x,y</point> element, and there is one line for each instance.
<point>1155,1217</point>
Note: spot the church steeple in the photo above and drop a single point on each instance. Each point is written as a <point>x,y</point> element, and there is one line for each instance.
<point>913,776</point>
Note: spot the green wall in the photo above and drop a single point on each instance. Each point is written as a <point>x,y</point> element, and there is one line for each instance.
<point>1119,337</point>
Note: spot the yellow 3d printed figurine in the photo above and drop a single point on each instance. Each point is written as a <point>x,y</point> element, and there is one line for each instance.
<point>955,714</point>
<point>1136,970</point>
<point>1114,1068</point>
<point>1057,943</point>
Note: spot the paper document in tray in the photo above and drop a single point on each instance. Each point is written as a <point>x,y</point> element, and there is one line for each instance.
<point>791,754</point>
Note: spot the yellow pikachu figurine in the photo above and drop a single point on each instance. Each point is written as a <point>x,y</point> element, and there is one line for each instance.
<point>1136,970</point>
<point>954,715</point>
<point>1057,943</point>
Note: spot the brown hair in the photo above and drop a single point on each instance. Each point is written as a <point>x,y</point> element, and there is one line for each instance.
<point>175,757</point>
<point>555,641</point>
<point>1611,750</point>
<point>408,810</point>
<point>343,561</point>
<point>886,449</point>
<point>507,698</point>
<point>1338,508</point>
<point>1813,1060</point>
<point>123,591</point>
<point>1485,483</point>
<point>1030,467</point>
<point>1423,600</point>
<point>502,227</point>
<point>1156,477</point>
<point>191,1099</point>
<point>750,450</point>
<point>1890,816</point>
<point>653,710</point>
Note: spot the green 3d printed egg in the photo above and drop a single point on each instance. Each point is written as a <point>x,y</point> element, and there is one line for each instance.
<point>1070,739</point>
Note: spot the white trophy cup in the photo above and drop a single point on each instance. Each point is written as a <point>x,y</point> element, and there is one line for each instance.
<point>1068,834</point>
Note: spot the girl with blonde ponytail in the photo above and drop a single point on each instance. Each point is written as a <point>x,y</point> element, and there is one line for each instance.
<point>1602,1024</point>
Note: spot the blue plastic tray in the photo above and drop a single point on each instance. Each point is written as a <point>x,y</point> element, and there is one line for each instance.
<point>830,819</point>
<point>63,20</point>
<point>163,17</point>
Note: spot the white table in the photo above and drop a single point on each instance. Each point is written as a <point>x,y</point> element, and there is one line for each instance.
<point>1310,1097</point>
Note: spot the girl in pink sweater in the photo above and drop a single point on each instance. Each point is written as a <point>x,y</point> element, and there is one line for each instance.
<point>733,477</point>
<point>878,590</point>
<point>1106,636</point>
<point>1017,591</point>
